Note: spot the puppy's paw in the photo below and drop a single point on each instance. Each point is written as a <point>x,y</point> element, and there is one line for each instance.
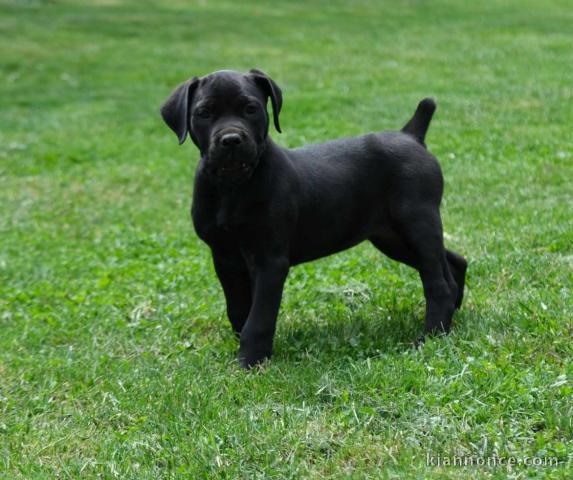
<point>250,359</point>
<point>430,333</point>
<point>419,342</point>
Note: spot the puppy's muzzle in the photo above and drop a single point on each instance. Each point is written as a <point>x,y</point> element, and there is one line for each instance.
<point>233,153</point>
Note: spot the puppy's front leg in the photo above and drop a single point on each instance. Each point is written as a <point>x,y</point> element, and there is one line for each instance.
<point>237,285</point>
<point>258,332</point>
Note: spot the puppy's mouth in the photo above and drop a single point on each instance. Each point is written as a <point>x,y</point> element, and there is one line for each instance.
<point>238,168</point>
<point>233,166</point>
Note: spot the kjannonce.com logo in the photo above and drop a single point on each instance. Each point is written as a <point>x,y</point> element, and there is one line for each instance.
<point>493,461</point>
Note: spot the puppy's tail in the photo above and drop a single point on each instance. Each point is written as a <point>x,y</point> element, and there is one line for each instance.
<point>419,123</point>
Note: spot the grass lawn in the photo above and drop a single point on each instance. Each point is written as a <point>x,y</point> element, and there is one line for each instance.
<point>116,358</point>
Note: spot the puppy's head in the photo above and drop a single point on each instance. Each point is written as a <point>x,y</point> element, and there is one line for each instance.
<point>225,113</point>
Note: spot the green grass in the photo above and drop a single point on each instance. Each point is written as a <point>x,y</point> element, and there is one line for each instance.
<point>116,359</point>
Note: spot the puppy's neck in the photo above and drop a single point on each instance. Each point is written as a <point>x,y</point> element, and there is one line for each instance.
<point>268,150</point>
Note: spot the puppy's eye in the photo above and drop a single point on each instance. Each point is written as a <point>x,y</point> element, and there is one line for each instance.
<point>203,113</point>
<point>251,109</point>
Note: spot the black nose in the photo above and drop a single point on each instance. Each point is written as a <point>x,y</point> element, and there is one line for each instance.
<point>231,139</point>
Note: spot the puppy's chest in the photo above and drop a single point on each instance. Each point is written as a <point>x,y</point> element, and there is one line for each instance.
<point>226,216</point>
<point>231,216</point>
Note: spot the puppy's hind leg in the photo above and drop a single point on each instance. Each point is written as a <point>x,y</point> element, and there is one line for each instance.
<point>433,269</point>
<point>391,245</point>
<point>458,266</point>
<point>421,231</point>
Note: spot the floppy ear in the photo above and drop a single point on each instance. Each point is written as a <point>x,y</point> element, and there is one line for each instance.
<point>271,89</point>
<point>175,110</point>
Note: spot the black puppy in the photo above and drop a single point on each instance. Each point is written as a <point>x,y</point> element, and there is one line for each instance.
<point>263,208</point>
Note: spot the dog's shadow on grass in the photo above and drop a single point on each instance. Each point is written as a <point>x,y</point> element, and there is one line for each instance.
<point>356,336</point>
<point>348,318</point>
